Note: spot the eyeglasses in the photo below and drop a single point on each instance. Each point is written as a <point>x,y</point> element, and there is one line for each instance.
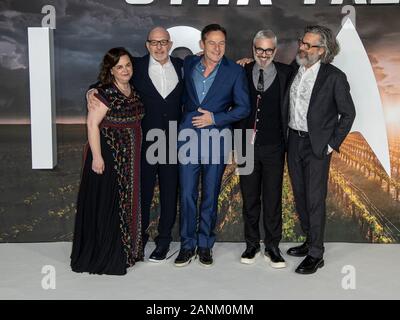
<point>307,45</point>
<point>268,51</point>
<point>154,43</point>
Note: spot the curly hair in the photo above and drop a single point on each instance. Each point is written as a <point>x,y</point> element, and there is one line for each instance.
<point>327,41</point>
<point>110,59</point>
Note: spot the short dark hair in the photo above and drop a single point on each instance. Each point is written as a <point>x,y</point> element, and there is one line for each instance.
<point>110,59</point>
<point>210,28</point>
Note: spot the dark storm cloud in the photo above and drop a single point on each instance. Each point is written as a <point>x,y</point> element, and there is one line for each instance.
<point>87,29</point>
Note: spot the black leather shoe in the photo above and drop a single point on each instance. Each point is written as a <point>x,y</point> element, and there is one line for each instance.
<point>185,256</point>
<point>249,255</point>
<point>274,257</point>
<point>159,254</point>
<point>205,257</point>
<point>299,251</point>
<point>310,265</point>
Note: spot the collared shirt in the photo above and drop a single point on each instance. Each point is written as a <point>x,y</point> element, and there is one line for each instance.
<point>202,83</point>
<point>164,76</point>
<point>300,96</point>
<point>269,75</point>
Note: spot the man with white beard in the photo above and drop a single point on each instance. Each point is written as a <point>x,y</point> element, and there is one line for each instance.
<point>320,115</point>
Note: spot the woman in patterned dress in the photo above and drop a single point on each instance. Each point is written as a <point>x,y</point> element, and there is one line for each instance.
<point>107,236</point>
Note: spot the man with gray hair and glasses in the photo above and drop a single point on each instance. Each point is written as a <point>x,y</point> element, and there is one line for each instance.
<point>262,189</point>
<point>320,115</point>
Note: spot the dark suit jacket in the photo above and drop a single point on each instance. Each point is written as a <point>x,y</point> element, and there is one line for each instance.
<point>158,111</point>
<point>284,74</point>
<point>329,99</point>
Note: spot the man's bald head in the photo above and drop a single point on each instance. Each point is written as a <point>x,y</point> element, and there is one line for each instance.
<point>158,44</point>
<point>158,32</point>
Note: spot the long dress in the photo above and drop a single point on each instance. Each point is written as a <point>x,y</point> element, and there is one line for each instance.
<point>107,235</point>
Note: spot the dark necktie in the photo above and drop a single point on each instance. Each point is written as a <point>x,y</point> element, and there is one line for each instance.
<point>260,84</point>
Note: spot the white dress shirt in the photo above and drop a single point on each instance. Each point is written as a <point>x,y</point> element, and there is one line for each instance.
<point>300,96</point>
<point>164,76</point>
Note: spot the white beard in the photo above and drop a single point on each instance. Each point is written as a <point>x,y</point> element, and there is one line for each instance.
<point>308,60</point>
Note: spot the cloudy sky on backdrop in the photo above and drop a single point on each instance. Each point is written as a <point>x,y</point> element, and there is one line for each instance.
<point>86,29</point>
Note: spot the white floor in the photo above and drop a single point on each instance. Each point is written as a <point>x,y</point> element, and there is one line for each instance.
<point>374,270</point>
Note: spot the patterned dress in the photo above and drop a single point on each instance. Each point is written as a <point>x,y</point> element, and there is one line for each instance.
<point>107,236</point>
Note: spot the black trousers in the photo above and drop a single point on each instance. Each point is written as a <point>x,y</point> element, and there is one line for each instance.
<point>264,186</point>
<point>309,177</point>
<point>168,185</point>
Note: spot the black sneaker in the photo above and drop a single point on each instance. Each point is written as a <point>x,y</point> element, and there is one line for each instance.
<point>159,254</point>
<point>185,256</point>
<point>205,257</point>
<point>249,255</point>
<point>274,257</point>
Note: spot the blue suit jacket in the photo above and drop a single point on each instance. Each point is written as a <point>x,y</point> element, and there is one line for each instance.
<point>228,98</point>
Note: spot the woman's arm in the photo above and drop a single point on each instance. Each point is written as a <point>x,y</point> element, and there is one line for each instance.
<point>94,118</point>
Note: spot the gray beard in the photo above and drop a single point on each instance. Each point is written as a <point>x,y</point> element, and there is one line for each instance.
<point>307,61</point>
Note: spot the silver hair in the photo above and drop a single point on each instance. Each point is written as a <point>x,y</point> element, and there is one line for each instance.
<point>327,41</point>
<point>266,34</point>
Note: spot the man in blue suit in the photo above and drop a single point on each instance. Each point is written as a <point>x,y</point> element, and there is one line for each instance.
<point>216,95</point>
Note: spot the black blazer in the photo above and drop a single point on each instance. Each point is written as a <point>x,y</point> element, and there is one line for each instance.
<point>158,111</point>
<point>329,99</point>
<point>284,74</point>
